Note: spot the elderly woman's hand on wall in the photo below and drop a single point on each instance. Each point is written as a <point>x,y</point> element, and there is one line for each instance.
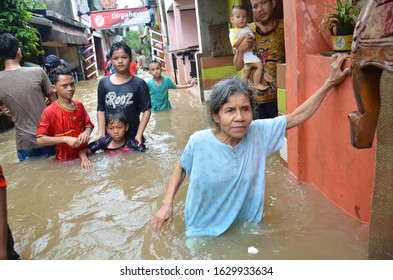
<point>337,73</point>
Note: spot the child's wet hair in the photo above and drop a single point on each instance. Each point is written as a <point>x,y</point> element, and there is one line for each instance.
<point>112,117</point>
<point>154,61</point>
<point>120,45</point>
<point>56,72</point>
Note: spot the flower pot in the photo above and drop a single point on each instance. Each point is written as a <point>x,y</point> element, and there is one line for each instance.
<point>342,38</point>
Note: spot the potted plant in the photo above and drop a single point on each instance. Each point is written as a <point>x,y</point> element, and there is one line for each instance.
<point>341,20</point>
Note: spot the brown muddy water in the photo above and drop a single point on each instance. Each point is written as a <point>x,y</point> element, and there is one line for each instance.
<point>59,211</point>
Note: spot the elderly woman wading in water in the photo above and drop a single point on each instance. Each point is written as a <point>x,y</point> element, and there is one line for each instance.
<point>226,165</point>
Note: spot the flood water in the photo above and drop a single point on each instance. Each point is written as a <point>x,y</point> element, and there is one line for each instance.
<point>59,211</point>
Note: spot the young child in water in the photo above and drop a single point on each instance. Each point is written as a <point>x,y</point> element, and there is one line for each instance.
<point>160,85</point>
<point>115,141</point>
<point>241,31</point>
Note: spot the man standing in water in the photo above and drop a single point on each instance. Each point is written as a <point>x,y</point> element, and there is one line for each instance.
<point>22,93</point>
<point>270,48</point>
<point>142,61</point>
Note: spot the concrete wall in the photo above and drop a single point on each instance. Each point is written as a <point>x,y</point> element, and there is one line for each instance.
<point>212,69</point>
<point>70,54</point>
<point>182,33</point>
<point>62,7</point>
<point>320,152</point>
<point>210,13</point>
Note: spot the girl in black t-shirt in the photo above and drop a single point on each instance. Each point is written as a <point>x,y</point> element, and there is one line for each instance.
<point>124,93</point>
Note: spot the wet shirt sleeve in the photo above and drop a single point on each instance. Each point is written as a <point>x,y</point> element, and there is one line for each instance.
<point>44,126</point>
<point>101,94</point>
<point>187,157</point>
<point>86,117</point>
<point>169,83</point>
<point>273,132</point>
<point>133,145</point>
<point>100,144</point>
<point>233,35</point>
<point>144,97</point>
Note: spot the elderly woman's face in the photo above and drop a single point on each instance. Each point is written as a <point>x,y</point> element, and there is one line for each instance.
<point>234,116</point>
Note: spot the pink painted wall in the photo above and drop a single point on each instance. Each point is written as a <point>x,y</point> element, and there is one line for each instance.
<point>320,152</point>
<point>188,29</point>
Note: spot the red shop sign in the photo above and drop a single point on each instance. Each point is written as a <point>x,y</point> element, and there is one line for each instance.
<point>119,18</point>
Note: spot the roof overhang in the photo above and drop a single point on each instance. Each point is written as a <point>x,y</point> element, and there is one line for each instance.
<point>40,20</point>
<point>57,30</point>
<point>67,34</point>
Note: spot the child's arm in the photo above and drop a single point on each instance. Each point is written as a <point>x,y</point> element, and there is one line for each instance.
<point>85,162</point>
<point>101,123</point>
<point>191,84</point>
<point>142,126</point>
<point>45,140</point>
<point>100,144</point>
<point>84,137</point>
<point>238,61</point>
<point>134,145</point>
<point>240,40</point>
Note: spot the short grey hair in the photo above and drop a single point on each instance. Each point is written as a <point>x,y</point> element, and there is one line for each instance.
<point>225,89</point>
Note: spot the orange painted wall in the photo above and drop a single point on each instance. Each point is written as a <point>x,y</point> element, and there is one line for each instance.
<point>320,152</point>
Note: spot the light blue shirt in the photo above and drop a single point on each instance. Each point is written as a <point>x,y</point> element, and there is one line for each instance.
<point>228,184</point>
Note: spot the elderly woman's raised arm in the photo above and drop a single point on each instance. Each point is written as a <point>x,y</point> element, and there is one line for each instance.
<point>308,108</point>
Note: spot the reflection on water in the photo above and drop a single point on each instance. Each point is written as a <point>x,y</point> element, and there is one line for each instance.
<point>58,211</point>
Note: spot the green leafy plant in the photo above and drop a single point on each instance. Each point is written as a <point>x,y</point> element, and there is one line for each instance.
<point>343,14</point>
<point>135,41</point>
<point>15,16</point>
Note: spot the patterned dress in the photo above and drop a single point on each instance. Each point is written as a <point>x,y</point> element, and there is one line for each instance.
<point>270,48</point>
